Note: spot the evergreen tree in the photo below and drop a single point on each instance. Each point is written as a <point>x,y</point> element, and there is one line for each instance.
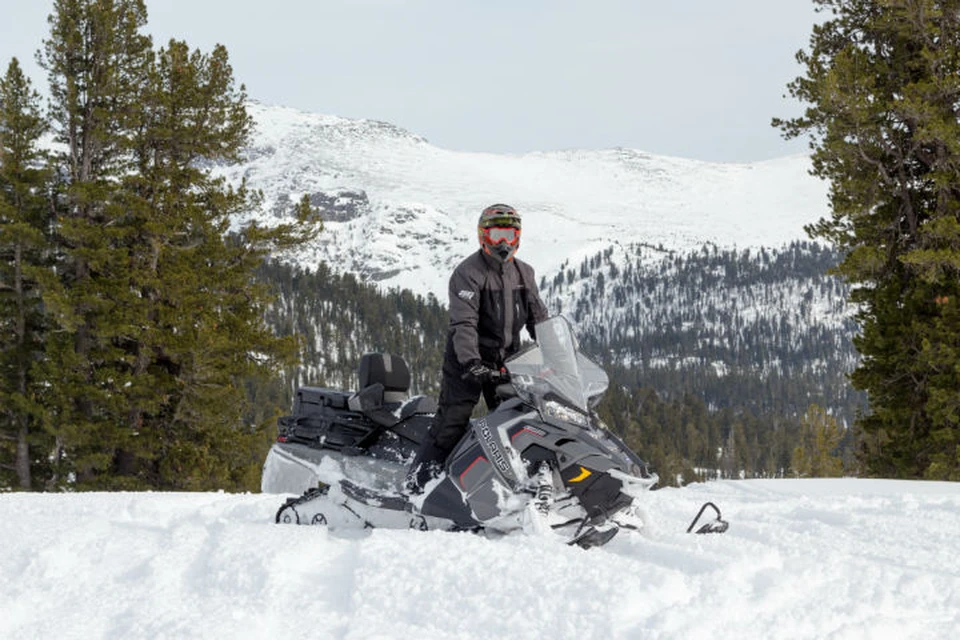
<point>25,256</point>
<point>160,313</point>
<point>97,61</point>
<point>882,84</point>
<point>816,455</point>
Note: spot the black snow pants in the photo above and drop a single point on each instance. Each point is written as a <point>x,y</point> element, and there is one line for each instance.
<point>458,397</point>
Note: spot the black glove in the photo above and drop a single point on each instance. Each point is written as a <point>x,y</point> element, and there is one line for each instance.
<point>482,373</point>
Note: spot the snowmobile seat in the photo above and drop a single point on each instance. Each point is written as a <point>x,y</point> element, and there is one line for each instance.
<point>389,370</point>
<point>418,405</point>
<point>384,382</point>
<point>369,402</point>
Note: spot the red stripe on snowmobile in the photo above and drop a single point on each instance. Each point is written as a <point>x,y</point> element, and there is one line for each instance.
<point>467,470</point>
<point>533,433</point>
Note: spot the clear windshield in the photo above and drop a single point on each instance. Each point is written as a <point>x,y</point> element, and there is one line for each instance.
<point>554,366</point>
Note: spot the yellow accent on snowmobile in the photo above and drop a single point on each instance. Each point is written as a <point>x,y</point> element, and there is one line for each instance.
<point>584,474</point>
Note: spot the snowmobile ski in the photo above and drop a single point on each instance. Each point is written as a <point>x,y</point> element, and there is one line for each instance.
<point>717,525</point>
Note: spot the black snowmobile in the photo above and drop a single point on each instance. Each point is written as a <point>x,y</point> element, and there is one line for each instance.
<point>542,461</point>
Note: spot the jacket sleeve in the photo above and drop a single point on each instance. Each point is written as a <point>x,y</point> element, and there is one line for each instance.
<point>465,315</point>
<point>536,310</point>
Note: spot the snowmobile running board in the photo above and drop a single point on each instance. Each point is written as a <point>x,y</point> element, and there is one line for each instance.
<point>718,525</point>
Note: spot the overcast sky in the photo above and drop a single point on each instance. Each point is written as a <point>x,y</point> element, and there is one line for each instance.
<point>693,78</point>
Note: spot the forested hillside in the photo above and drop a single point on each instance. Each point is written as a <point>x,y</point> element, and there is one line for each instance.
<point>337,319</point>
<point>766,330</point>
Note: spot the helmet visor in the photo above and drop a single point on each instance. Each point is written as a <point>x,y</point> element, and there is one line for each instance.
<point>496,235</point>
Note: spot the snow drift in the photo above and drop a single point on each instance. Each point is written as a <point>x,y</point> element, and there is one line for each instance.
<point>803,558</point>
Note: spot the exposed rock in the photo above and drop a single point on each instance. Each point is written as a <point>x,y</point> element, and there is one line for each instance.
<point>340,206</point>
<point>336,206</point>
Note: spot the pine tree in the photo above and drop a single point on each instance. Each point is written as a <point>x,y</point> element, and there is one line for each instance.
<point>25,257</point>
<point>96,60</point>
<point>882,84</point>
<point>160,314</point>
<point>816,455</point>
<point>207,309</point>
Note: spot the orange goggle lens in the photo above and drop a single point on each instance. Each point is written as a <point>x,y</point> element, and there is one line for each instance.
<point>496,235</point>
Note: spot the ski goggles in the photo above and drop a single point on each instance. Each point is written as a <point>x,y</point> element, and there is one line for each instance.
<point>496,235</point>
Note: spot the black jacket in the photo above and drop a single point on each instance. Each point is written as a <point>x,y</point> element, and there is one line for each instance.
<point>490,302</point>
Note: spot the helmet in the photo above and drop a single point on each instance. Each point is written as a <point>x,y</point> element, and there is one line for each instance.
<point>499,231</point>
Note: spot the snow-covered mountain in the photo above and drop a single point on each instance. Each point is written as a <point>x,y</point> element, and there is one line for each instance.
<point>696,277</point>
<point>402,212</point>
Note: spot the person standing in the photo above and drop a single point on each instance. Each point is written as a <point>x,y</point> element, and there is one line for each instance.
<point>493,296</point>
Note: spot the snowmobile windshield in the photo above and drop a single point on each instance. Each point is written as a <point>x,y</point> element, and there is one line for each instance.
<point>554,367</point>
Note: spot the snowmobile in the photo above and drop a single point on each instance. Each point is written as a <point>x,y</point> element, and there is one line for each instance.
<point>542,461</point>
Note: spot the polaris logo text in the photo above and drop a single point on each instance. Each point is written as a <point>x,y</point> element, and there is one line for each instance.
<point>492,446</point>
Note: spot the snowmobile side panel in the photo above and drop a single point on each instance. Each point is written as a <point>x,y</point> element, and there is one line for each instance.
<point>488,436</point>
<point>446,501</point>
<point>476,482</point>
<point>287,472</point>
<point>295,468</point>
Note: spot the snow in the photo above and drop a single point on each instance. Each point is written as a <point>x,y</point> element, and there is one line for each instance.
<point>838,558</point>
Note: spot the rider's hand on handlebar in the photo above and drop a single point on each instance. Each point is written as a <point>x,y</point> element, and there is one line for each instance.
<point>483,374</point>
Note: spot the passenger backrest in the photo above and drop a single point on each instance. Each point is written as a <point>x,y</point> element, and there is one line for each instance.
<point>389,370</point>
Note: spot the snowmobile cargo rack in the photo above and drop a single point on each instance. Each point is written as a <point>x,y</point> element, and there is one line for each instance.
<point>351,422</point>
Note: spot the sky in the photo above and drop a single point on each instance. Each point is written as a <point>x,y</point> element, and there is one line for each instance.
<point>823,559</point>
<point>698,79</point>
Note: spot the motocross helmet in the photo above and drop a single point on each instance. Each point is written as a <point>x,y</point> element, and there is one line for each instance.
<point>499,231</point>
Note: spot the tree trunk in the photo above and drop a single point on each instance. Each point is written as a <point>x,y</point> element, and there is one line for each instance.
<point>23,457</point>
<point>23,449</point>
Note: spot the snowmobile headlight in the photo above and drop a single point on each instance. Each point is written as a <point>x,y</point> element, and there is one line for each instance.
<point>553,409</point>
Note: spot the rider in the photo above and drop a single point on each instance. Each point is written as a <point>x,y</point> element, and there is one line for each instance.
<point>492,296</point>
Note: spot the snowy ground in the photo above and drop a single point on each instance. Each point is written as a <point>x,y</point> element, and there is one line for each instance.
<point>802,559</point>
